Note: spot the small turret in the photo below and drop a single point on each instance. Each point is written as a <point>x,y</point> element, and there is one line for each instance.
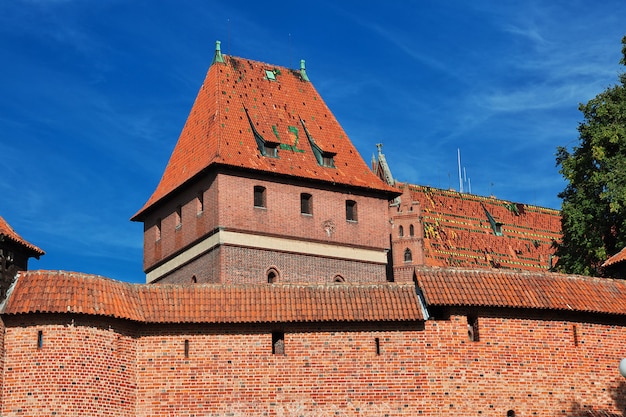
<point>303,71</point>
<point>218,54</point>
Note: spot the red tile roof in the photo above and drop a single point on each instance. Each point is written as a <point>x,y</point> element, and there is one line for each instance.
<point>69,292</point>
<point>7,231</point>
<point>218,130</point>
<point>617,258</point>
<point>533,290</point>
<point>458,233</point>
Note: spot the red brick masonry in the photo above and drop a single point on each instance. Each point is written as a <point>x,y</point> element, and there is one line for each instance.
<point>78,344</point>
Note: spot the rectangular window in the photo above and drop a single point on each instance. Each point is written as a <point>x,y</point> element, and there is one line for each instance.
<point>472,329</point>
<point>278,343</point>
<point>351,210</point>
<point>39,339</point>
<point>271,150</point>
<point>377,345</point>
<point>259,196</point>
<point>328,160</point>
<point>306,203</point>
<point>186,348</point>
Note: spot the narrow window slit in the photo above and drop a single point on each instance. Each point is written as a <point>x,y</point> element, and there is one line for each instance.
<point>472,329</point>
<point>278,343</point>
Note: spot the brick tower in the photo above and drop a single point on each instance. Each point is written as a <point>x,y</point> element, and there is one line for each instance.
<point>264,185</point>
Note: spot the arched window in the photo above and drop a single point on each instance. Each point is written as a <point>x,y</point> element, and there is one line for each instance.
<point>272,275</point>
<point>194,280</point>
<point>401,231</point>
<point>338,278</point>
<point>411,231</point>
<point>408,256</point>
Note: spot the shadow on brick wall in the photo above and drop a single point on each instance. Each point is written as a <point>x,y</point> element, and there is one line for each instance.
<point>619,398</point>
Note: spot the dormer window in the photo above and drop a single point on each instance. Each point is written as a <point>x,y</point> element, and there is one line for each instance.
<point>328,160</point>
<point>495,226</point>
<point>324,158</point>
<point>266,148</point>
<point>271,150</point>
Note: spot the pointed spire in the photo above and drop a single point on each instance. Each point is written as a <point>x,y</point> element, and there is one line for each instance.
<point>218,54</point>
<point>303,71</point>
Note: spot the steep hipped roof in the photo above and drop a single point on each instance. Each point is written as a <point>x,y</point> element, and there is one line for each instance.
<point>244,104</point>
<point>532,290</point>
<point>70,292</point>
<point>8,232</point>
<point>471,231</point>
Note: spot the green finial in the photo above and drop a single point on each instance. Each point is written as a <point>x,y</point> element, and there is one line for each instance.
<point>218,54</point>
<point>303,71</point>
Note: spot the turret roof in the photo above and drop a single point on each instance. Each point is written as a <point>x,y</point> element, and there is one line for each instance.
<point>7,231</point>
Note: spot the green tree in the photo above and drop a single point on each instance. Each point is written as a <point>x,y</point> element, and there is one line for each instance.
<point>594,200</point>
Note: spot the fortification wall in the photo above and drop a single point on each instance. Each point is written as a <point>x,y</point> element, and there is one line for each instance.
<point>529,365</point>
<point>68,365</point>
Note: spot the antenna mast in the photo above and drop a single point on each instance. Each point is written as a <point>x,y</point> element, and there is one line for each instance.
<point>228,20</point>
<point>460,177</point>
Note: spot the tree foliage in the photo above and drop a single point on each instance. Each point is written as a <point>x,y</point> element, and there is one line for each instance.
<point>594,200</point>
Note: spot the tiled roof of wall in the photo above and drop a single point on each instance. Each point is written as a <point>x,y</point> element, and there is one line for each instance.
<point>533,290</point>
<point>69,292</point>
<point>617,258</point>
<point>218,130</point>
<point>7,230</point>
<point>458,233</point>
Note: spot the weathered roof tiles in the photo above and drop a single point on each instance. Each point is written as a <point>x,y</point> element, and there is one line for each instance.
<point>242,102</point>
<point>69,292</point>
<point>528,290</point>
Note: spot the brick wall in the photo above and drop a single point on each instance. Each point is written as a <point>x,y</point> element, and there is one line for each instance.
<point>194,221</point>
<point>245,265</point>
<point>282,215</point>
<point>229,204</point>
<point>78,366</point>
<point>2,356</point>
<point>533,364</point>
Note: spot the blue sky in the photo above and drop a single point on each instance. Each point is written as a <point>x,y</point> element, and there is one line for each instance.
<point>95,93</point>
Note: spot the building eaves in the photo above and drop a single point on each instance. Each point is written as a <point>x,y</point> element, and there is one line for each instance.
<point>524,290</point>
<point>69,292</point>
<point>7,232</point>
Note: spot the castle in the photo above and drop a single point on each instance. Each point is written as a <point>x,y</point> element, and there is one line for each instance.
<point>286,277</point>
